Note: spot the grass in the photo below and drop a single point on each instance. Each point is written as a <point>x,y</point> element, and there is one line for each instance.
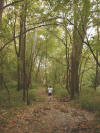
<point>12,100</point>
<point>90,103</point>
<point>89,100</point>
<point>15,97</point>
<point>34,96</point>
<point>60,92</point>
<point>10,108</point>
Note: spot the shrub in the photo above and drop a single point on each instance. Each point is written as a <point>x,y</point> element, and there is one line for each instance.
<point>90,100</point>
<point>60,92</point>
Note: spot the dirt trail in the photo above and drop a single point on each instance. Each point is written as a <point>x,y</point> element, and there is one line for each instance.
<point>50,116</point>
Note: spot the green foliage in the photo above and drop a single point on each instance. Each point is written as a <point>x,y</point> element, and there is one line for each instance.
<point>8,67</point>
<point>89,103</point>
<point>89,100</point>
<point>60,92</point>
<point>5,30</point>
<point>15,98</point>
<point>34,97</point>
<point>89,76</point>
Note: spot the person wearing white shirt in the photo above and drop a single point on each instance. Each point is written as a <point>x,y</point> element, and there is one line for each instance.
<point>50,90</point>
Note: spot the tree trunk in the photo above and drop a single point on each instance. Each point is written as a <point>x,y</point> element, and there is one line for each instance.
<point>1,70</point>
<point>75,60</point>
<point>97,54</point>
<point>21,57</point>
<point>21,54</point>
<point>67,70</point>
<point>32,59</point>
<point>1,79</point>
<point>38,69</point>
<point>96,76</point>
<point>79,33</point>
<point>1,9</point>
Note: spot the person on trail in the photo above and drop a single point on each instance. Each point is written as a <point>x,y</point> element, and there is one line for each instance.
<point>50,90</point>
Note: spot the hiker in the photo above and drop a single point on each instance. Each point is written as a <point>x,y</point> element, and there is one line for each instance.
<point>50,90</point>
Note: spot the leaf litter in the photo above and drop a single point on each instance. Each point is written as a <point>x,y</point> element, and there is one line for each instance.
<point>48,117</point>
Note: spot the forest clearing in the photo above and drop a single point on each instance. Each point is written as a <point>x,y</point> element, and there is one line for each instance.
<point>49,66</point>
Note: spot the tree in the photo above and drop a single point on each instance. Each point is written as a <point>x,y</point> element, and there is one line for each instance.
<point>1,9</point>
<point>79,32</point>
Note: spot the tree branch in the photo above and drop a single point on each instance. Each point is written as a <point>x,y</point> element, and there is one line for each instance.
<point>28,30</point>
<point>12,3</point>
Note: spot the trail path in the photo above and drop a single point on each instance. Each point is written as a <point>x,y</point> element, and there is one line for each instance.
<point>49,116</point>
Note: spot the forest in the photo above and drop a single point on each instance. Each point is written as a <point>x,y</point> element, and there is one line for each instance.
<point>47,43</point>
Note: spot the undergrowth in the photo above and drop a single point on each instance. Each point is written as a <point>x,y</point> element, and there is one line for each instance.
<point>14,97</point>
<point>89,100</point>
<point>60,92</point>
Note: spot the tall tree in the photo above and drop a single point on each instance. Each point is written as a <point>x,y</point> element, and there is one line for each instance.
<point>21,54</point>
<point>79,32</point>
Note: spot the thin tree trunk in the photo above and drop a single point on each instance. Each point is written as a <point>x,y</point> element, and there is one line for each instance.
<point>1,80</point>
<point>96,76</point>
<point>46,53</point>
<point>38,69</point>
<point>21,57</point>
<point>29,77</point>
<point>32,59</point>
<point>1,9</point>
<point>67,70</point>
<point>21,54</point>
<point>97,55</point>
<point>1,71</point>
<point>82,73</point>
<point>7,91</point>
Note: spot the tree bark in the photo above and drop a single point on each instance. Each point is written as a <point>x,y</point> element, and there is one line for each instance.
<point>1,9</point>
<point>97,55</point>
<point>96,76</point>
<point>77,46</point>
<point>21,54</point>
<point>32,59</point>
<point>67,69</point>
